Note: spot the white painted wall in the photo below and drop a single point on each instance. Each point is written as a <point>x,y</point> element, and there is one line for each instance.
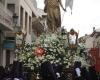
<point>92,42</point>
<point>97,41</point>
<point>89,42</point>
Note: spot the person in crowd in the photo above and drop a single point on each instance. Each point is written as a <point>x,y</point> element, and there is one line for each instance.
<point>77,71</point>
<point>85,73</point>
<point>17,70</point>
<point>47,71</point>
<point>93,73</point>
<point>2,72</point>
<point>8,73</point>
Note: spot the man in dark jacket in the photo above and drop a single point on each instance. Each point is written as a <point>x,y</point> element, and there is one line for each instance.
<point>47,71</point>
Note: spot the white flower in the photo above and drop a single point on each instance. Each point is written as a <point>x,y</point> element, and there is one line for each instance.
<point>57,61</point>
<point>29,60</point>
<point>81,59</point>
<point>67,66</point>
<point>51,49</point>
<point>32,67</point>
<point>33,61</point>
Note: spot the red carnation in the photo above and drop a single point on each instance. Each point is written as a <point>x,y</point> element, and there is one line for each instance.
<point>39,51</point>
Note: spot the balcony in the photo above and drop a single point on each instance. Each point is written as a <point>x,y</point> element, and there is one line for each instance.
<point>5,18</point>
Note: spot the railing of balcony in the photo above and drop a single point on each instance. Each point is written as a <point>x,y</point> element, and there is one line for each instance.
<point>5,16</point>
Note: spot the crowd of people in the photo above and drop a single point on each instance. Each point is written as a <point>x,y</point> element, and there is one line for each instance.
<point>77,72</point>
<point>12,71</point>
<point>49,71</point>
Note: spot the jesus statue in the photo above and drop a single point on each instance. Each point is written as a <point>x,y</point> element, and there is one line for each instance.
<point>53,14</point>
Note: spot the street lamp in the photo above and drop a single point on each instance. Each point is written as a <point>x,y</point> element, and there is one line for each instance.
<point>19,37</point>
<point>15,20</point>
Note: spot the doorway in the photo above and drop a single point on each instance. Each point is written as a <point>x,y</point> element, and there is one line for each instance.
<point>7,57</point>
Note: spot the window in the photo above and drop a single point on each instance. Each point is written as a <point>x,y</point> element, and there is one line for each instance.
<point>26,20</point>
<point>21,16</point>
<point>0,47</point>
<point>30,25</point>
<point>11,7</point>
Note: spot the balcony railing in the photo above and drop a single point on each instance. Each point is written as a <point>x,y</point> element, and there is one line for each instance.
<point>5,17</point>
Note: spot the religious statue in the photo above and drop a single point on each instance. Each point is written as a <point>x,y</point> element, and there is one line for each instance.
<point>53,14</point>
<point>72,39</point>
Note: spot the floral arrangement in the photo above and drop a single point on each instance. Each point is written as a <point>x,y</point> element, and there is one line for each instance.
<point>51,47</point>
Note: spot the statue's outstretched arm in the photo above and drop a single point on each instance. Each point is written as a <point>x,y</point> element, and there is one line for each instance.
<point>61,5</point>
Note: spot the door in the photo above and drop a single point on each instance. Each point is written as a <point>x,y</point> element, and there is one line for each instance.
<point>7,57</point>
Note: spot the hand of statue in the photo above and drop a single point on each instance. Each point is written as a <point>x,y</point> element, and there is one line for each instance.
<point>64,9</point>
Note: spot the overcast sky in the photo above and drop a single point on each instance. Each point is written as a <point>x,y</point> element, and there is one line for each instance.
<point>85,15</point>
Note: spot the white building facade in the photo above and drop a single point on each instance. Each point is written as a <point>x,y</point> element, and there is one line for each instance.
<point>93,40</point>
<point>6,24</point>
<point>26,11</point>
